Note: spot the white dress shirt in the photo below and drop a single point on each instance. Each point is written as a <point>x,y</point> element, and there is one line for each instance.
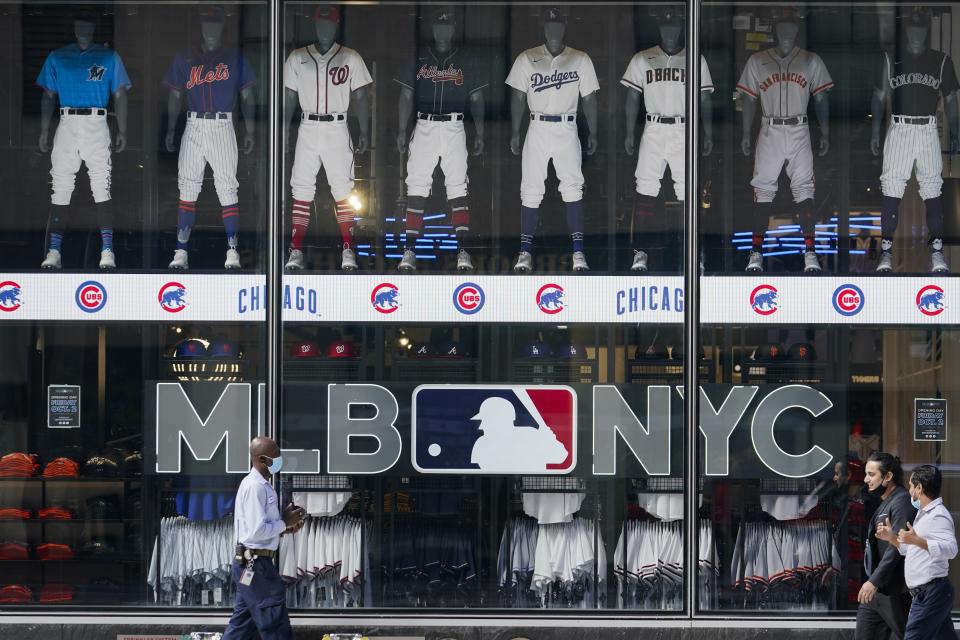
<point>935,525</point>
<point>256,517</point>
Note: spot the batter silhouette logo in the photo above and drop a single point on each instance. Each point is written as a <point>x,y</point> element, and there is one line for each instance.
<point>551,299</point>
<point>9,296</point>
<point>494,429</point>
<point>765,299</point>
<point>468,298</point>
<point>930,300</point>
<point>91,296</point>
<point>385,297</point>
<point>848,300</point>
<point>172,297</point>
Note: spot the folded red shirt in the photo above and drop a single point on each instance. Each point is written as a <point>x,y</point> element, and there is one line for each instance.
<point>15,593</point>
<point>18,465</point>
<point>14,551</point>
<point>61,468</point>
<point>55,513</point>
<point>56,593</point>
<point>14,513</point>
<point>51,551</point>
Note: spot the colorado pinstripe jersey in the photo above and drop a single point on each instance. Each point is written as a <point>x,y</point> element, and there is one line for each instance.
<point>324,81</point>
<point>784,85</point>
<point>211,79</point>
<point>661,78</point>
<point>553,84</point>
<point>443,83</point>
<point>917,82</point>
<point>83,77</point>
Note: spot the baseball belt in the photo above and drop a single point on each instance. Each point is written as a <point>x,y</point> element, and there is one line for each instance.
<point>652,117</point>
<point>786,121</point>
<point>440,117</point>
<point>913,119</point>
<point>67,111</point>
<point>318,117</point>
<point>547,118</point>
<point>209,115</point>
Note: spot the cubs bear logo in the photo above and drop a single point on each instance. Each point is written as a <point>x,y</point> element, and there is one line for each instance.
<point>468,298</point>
<point>930,300</point>
<point>172,297</point>
<point>550,299</point>
<point>91,296</point>
<point>764,299</point>
<point>9,296</point>
<point>385,297</point>
<point>848,300</point>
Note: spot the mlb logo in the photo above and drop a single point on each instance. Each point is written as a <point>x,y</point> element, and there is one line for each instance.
<point>494,429</point>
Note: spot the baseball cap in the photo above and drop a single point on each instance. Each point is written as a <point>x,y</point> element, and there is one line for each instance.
<point>918,16</point>
<point>650,352</point>
<point>212,14</point>
<point>327,12</point>
<point>572,351</point>
<point>305,350</point>
<point>768,352</point>
<point>535,349</point>
<point>191,348</point>
<point>423,350</point>
<point>453,349</point>
<point>802,352</point>
<point>553,14</point>
<point>786,14</point>
<point>223,349</point>
<point>340,349</point>
<point>671,15</point>
<point>444,16</point>
<point>86,14</point>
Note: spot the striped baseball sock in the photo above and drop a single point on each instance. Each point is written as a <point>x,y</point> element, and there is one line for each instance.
<point>186,216</point>
<point>106,239</point>
<point>231,224</point>
<point>56,240</point>
<point>761,218</point>
<point>575,223</point>
<point>529,216</point>
<point>461,217</point>
<point>345,222</point>
<point>301,220</point>
<point>58,224</point>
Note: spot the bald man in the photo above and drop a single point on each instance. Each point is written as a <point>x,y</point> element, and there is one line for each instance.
<point>261,599</point>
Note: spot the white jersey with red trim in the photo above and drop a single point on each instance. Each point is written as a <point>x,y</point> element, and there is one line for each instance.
<point>323,82</point>
<point>784,85</point>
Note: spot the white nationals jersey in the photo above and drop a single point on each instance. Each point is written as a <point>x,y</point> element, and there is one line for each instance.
<point>553,84</point>
<point>662,79</point>
<point>324,82</point>
<point>784,85</point>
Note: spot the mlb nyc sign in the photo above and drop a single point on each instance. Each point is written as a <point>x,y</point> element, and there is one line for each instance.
<point>494,429</point>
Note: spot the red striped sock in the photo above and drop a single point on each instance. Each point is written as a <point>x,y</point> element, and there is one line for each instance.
<point>345,222</point>
<point>301,220</point>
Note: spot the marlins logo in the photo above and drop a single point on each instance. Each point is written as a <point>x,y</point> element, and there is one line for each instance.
<point>9,296</point>
<point>468,298</point>
<point>764,299</point>
<point>497,429</point>
<point>95,73</point>
<point>172,297</point>
<point>91,296</point>
<point>848,300</point>
<point>550,299</point>
<point>930,300</point>
<point>385,297</point>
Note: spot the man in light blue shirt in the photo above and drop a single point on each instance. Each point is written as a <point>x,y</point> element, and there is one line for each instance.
<point>258,525</point>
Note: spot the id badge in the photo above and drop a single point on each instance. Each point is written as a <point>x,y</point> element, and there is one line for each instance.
<point>246,577</point>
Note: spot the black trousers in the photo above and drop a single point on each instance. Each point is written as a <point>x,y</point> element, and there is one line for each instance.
<point>883,618</point>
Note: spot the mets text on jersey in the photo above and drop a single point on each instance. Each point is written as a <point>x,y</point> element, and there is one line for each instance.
<point>774,78</point>
<point>198,77</point>
<point>555,80</point>
<point>450,74</point>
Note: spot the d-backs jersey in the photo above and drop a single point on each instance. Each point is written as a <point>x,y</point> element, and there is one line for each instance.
<point>83,78</point>
<point>784,85</point>
<point>323,82</point>
<point>443,83</point>
<point>211,79</point>
<point>553,84</point>
<point>917,82</point>
<point>662,78</point>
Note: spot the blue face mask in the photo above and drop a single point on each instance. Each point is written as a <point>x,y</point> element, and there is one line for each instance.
<point>915,503</point>
<point>276,465</point>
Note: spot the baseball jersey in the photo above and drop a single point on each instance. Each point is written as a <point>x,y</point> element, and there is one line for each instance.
<point>784,85</point>
<point>553,84</point>
<point>324,81</point>
<point>211,79</point>
<point>662,79</point>
<point>917,82</point>
<point>443,83</point>
<point>83,78</point>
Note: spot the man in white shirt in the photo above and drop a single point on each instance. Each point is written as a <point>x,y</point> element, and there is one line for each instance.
<point>928,546</point>
<point>261,597</point>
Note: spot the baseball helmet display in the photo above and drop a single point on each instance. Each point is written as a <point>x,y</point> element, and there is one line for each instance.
<point>305,349</point>
<point>802,352</point>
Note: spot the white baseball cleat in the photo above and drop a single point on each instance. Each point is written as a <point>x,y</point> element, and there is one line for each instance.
<point>409,261</point>
<point>233,259</point>
<point>107,259</point>
<point>885,263</point>
<point>938,264</point>
<point>639,261</point>
<point>464,262</point>
<point>180,260</point>
<point>52,261</point>
<point>295,261</point>
<point>755,263</point>
<point>580,261</point>
<point>811,263</point>
<point>348,260</point>
<point>524,262</point>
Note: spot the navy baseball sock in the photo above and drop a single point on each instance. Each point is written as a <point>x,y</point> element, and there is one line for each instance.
<point>934,208</point>
<point>186,216</point>
<point>58,223</point>
<point>575,223</point>
<point>528,224</point>
<point>231,224</point>
<point>889,212</point>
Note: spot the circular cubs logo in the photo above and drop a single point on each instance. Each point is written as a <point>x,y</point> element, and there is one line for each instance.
<point>764,299</point>
<point>9,296</point>
<point>848,300</point>
<point>930,300</point>
<point>385,297</point>
<point>91,296</point>
<point>550,298</point>
<point>172,297</point>
<point>468,298</point>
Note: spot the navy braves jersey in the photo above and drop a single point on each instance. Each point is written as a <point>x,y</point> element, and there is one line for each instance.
<point>83,78</point>
<point>443,83</point>
<point>211,79</point>
<point>917,82</point>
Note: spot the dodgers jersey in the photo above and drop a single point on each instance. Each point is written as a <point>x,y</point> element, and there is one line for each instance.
<point>211,79</point>
<point>553,84</point>
<point>917,82</point>
<point>443,83</point>
<point>662,78</point>
<point>83,78</point>
<point>784,85</point>
<point>324,81</point>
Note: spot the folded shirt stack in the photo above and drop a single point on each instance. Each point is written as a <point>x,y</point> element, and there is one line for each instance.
<point>14,513</point>
<point>18,465</point>
<point>52,551</point>
<point>61,468</point>
<point>55,513</point>
<point>15,594</point>
<point>14,551</point>
<point>56,593</point>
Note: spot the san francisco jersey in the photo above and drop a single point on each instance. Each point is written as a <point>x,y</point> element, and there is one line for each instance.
<point>784,85</point>
<point>323,82</point>
<point>662,80</point>
<point>553,84</point>
<point>917,82</point>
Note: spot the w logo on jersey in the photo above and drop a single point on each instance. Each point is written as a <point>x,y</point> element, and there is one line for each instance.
<point>524,429</point>
<point>95,73</point>
<point>339,75</point>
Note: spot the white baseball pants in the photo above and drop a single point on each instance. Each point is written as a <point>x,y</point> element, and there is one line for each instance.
<point>431,142</point>
<point>327,145</point>
<point>546,141</point>
<point>212,142</point>
<point>661,145</point>
<point>906,145</point>
<point>778,144</point>
<point>79,140</point>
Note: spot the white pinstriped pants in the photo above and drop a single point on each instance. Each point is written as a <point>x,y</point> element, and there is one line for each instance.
<point>214,142</point>
<point>906,145</point>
